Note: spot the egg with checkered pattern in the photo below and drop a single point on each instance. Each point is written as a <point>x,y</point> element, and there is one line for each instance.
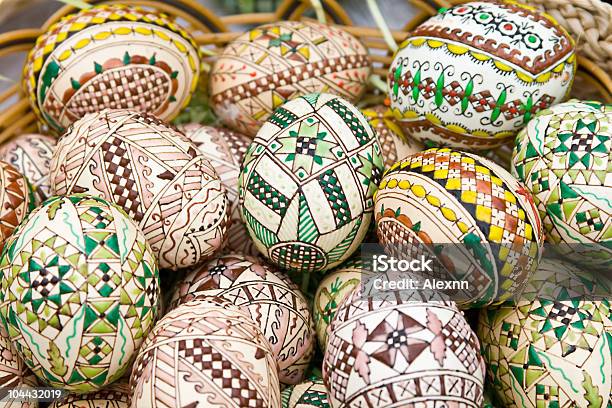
<point>564,157</point>
<point>307,182</point>
<point>478,222</point>
<point>155,174</point>
<point>271,64</point>
<point>111,56</point>
<point>207,352</point>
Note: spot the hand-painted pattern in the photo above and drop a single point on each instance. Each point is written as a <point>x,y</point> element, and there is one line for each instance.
<point>80,291</point>
<point>31,155</point>
<point>86,62</point>
<point>564,157</point>
<point>273,301</point>
<point>544,352</point>
<point>308,394</point>
<point>388,350</point>
<point>307,183</point>
<point>14,374</point>
<point>394,143</point>
<point>335,286</point>
<point>472,76</point>
<point>225,149</point>
<point>16,200</point>
<point>155,174</point>
<point>116,395</point>
<point>208,352</point>
<point>267,66</point>
<point>455,197</point>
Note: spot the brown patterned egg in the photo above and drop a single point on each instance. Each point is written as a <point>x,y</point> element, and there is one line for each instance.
<point>272,300</point>
<point>225,150</point>
<point>208,353</point>
<point>394,143</point>
<point>111,56</point>
<point>14,374</point>
<point>16,200</point>
<point>155,174</point>
<point>263,68</point>
<point>116,395</point>
<point>31,155</point>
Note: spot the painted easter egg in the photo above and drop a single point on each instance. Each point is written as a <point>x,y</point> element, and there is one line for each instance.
<point>111,56</point>
<point>14,375</point>
<point>154,173</point>
<point>333,288</point>
<point>472,76</point>
<point>263,68</point>
<point>394,143</point>
<point>564,157</point>
<point>553,348</point>
<point>469,213</point>
<point>225,149</point>
<point>209,352</point>
<point>307,183</point>
<point>16,200</point>
<point>390,350</point>
<point>272,300</point>
<point>31,155</point>
<point>308,394</point>
<point>117,395</point>
<point>80,291</point>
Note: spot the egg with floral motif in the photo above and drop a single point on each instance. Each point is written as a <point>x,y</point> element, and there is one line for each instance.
<point>473,75</point>
<point>111,56</point>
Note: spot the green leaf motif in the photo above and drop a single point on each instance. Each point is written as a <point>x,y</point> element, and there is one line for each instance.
<point>415,85</point>
<point>58,365</point>
<point>98,68</point>
<point>591,392</point>
<point>495,114</point>
<point>126,58</point>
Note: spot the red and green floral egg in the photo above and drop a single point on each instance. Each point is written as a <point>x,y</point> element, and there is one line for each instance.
<point>111,56</point>
<point>477,220</point>
<point>80,292</point>
<point>307,183</point>
<point>273,63</point>
<point>473,75</point>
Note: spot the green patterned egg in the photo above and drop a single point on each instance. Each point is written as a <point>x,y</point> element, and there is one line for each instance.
<point>553,347</point>
<point>307,183</point>
<point>80,291</point>
<point>308,394</point>
<point>332,290</point>
<point>564,156</point>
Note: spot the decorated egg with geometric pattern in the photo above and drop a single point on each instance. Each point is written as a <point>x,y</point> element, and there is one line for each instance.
<point>552,347</point>
<point>473,75</point>
<point>116,395</point>
<point>272,300</point>
<point>333,288</point>
<point>16,200</point>
<point>225,149</point>
<point>80,291</point>
<point>31,155</point>
<point>111,56</point>
<point>14,374</point>
<point>155,174</point>
<point>564,157</point>
<point>390,349</point>
<point>394,143</point>
<point>481,221</point>
<point>307,183</point>
<point>265,67</point>
<point>308,394</point>
<point>209,353</point>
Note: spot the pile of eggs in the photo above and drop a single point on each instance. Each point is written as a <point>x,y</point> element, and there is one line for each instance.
<point>144,264</point>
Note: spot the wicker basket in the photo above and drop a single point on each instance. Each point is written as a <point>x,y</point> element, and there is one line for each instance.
<point>214,32</point>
